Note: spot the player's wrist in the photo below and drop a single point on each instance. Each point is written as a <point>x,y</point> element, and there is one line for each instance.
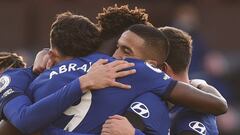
<point>85,83</point>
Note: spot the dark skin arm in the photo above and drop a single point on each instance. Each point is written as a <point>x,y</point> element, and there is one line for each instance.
<point>193,98</point>
<point>8,129</point>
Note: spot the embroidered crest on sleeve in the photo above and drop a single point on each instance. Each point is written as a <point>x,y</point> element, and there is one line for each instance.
<point>4,82</point>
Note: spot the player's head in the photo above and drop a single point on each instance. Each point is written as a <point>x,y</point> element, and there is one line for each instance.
<point>180,51</point>
<point>114,20</point>
<point>10,60</point>
<point>74,35</point>
<point>143,42</point>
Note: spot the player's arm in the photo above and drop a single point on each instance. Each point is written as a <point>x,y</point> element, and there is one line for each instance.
<point>178,93</point>
<point>6,128</point>
<point>24,114</point>
<point>193,98</point>
<point>152,79</point>
<point>202,85</point>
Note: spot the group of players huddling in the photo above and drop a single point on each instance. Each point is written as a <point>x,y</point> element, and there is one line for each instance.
<point>121,76</point>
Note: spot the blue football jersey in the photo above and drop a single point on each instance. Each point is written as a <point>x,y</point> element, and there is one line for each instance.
<point>153,112</point>
<point>148,110</point>
<point>183,119</point>
<point>56,89</point>
<point>88,115</point>
<point>22,112</point>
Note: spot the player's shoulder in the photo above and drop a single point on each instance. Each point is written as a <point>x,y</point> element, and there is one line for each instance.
<point>13,70</point>
<point>96,56</point>
<point>144,67</point>
<point>189,120</point>
<point>18,72</point>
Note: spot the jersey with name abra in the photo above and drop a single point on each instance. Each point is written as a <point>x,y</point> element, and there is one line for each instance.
<point>58,100</point>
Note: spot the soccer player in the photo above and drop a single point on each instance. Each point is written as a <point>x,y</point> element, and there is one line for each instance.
<point>92,120</point>
<point>84,126</point>
<point>183,121</point>
<point>113,21</point>
<point>85,35</point>
<point>9,60</point>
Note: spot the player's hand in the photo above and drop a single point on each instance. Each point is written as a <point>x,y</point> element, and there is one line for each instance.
<point>42,61</point>
<point>103,74</point>
<point>117,125</point>
<point>198,83</point>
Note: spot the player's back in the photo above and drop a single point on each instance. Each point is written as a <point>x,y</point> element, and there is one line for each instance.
<point>88,115</point>
<point>95,107</point>
<point>184,119</point>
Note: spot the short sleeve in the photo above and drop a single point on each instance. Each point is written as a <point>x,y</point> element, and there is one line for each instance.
<point>149,78</point>
<point>153,112</point>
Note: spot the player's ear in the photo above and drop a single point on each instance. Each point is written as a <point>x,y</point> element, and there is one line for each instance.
<point>164,67</point>
<point>167,68</point>
<point>154,63</point>
<point>53,53</point>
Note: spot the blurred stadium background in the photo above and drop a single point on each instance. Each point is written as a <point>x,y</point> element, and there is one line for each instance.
<point>214,26</point>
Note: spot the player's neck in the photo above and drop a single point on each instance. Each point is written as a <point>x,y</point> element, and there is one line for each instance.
<point>182,76</point>
<point>62,58</point>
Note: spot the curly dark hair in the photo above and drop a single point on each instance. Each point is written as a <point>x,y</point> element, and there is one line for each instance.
<point>74,35</point>
<point>114,20</point>
<point>180,52</point>
<point>11,60</point>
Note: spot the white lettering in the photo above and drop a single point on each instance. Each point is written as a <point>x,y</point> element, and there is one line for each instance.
<point>90,65</point>
<point>62,69</point>
<point>52,74</point>
<point>71,67</point>
<point>83,67</point>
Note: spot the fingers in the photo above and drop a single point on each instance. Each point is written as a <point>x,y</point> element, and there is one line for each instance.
<point>105,132</point>
<point>108,121</point>
<point>100,62</point>
<point>50,63</point>
<point>120,85</point>
<point>125,73</point>
<point>119,117</point>
<point>116,63</point>
<point>197,82</point>
<point>106,127</point>
<point>123,66</point>
<point>122,74</point>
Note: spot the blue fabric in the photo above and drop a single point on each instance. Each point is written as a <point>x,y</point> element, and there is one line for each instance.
<point>154,113</point>
<point>184,119</point>
<point>57,89</point>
